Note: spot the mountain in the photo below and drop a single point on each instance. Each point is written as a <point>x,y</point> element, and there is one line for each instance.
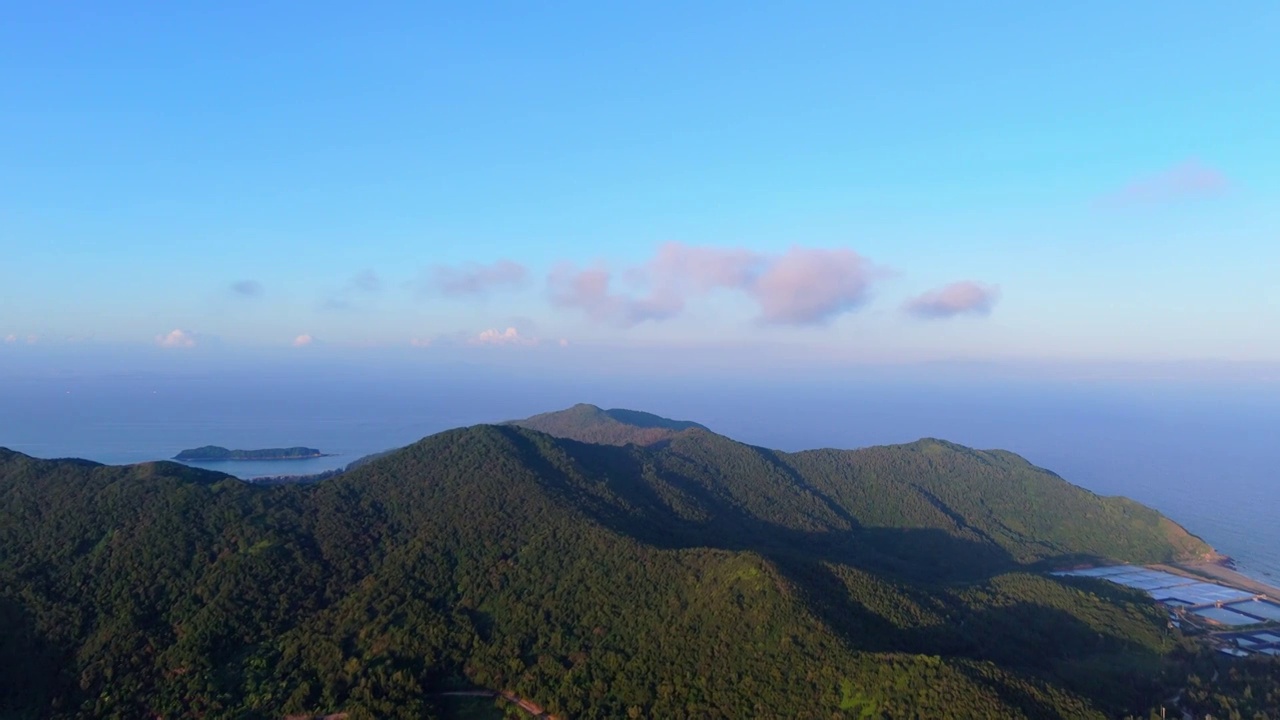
<point>694,577</point>
<point>996,498</point>
<point>590,424</point>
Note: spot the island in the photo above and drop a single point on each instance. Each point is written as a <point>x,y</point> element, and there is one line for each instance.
<point>213,452</point>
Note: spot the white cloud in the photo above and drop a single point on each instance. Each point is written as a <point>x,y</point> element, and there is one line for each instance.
<point>510,336</point>
<point>176,339</point>
<point>11,338</point>
<point>519,332</point>
<point>303,340</point>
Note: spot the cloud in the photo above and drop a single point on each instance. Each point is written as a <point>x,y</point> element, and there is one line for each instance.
<point>11,338</point>
<point>363,283</point>
<point>176,339</point>
<point>803,286</point>
<point>589,291</point>
<point>959,298</point>
<point>519,332</point>
<point>472,279</point>
<point>303,340</point>
<point>247,288</point>
<point>1190,180</point>
<point>806,287</point>
<point>510,336</point>
<point>336,302</point>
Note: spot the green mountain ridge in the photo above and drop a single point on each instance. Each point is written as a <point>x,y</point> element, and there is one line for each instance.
<point>690,577</point>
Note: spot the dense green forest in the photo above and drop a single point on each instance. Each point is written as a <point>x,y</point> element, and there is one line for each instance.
<point>214,452</point>
<point>591,424</point>
<point>689,577</point>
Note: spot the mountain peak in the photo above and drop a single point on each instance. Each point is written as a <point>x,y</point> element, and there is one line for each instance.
<point>618,426</point>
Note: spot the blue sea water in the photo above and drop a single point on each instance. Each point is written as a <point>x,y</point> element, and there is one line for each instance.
<point>1208,458</point>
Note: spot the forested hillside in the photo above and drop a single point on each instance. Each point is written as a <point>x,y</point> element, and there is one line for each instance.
<point>694,577</point>
<point>588,423</point>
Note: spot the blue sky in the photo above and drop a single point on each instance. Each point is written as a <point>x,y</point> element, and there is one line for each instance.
<point>1090,181</point>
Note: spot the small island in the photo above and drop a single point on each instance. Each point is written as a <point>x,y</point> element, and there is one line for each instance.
<point>213,452</point>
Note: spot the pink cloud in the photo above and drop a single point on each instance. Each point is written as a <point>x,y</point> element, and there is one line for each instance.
<point>809,286</point>
<point>11,338</point>
<point>959,298</point>
<point>682,268</point>
<point>303,340</point>
<point>803,286</point>
<point>1186,181</point>
<point>176,339</point>
<point>473,279</point>
<point>590,291</point>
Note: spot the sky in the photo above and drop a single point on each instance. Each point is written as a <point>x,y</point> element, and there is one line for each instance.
<point>604,183</point>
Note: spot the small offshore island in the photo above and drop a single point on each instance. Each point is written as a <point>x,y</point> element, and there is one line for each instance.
<point>214,452</point>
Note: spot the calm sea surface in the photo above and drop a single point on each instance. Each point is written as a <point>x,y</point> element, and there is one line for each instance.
<point>1209,460</point>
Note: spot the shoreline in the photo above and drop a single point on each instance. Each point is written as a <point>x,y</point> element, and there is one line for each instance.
<point>1222,573</point>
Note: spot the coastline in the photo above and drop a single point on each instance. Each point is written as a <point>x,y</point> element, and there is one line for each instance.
<point>1222,573</point>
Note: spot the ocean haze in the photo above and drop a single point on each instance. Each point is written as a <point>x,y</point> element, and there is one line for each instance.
<point>1204,455</point>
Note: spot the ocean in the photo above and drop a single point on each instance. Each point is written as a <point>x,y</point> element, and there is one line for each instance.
<point>1208,458</point>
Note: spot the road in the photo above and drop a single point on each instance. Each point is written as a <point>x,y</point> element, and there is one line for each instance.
<point>529,706</point>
